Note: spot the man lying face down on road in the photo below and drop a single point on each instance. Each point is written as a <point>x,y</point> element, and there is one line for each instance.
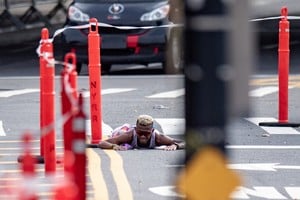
<point>142,135</point>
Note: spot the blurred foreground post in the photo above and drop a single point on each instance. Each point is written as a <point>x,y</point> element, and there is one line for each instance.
<point>216,34</point>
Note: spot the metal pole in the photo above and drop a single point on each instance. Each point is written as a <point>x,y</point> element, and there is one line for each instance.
<point>205,86</point>
<point>213,74</point>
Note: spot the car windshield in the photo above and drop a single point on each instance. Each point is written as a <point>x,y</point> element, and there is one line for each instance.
<point>118,1</point>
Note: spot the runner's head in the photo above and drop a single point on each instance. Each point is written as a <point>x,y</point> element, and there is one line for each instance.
<point>144,127</point>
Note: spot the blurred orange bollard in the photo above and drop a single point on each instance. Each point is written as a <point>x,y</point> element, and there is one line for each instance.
<point>28,160</point>
<point>78,148</point>
<point>95,81</point>
<point>64,186</point>
<point>68,95</point>
<point>66,191</point>
<point>71,57</point>
<point>28,171</point>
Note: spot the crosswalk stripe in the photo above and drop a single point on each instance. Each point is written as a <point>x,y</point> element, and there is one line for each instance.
<point>294,192</point>
<point>106,129</point>
<point>2,132</point>
<point>109,91</point>
<point>172,126</point>
<point>241,192</point>
<point>169,94</point>
<point>17,92</point>
<point>18,148</point>
<point>259,92</point>
<point>263,91</point>
<point>257,191</point>
<point>260,147</point>
<point>273,130</point>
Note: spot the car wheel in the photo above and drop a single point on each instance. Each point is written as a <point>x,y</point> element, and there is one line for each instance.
<point>174,55</point>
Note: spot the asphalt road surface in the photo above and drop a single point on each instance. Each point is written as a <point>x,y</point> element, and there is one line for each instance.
<point>265,158</point>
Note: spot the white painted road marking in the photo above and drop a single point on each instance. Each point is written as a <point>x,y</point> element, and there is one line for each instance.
<point>172,126</point>
<point>263,91</point>
<point>263,192</point>
<point>262,166</point>
<point>260,92</point>
<point>166,191</point>
<point>294,192</point>
<point>273,130</point>
<point>169,94</point>
<point>254,166</point>
<point>109,91</point>
<point>10,93</point>
<point>260,147</point>
<point>106,129</point>
<point>240,193</point>
<point>2,132</point>
<point>176,126</point>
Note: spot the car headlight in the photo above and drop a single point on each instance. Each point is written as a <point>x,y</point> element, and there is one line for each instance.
<point>77,15</point>
<point>157,14</point>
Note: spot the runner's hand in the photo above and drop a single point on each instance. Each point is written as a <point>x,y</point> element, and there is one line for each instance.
<point>119,148</point>
<point>171,147</point>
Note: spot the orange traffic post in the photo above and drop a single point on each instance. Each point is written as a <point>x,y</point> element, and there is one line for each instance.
<point>283,72</point>
<point>95,81</point>
<point>65,191</point>
<point>71,57</point>
<point>65,187</point>
<point>43,63</point>
<point>283,65</point>
<point>78,148</point>
<point>28,169</point>
<point>68,95</point>
<point>48,110</point>
<point>28,162</point>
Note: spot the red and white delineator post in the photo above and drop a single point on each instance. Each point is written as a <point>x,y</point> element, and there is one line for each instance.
<point>48,106</point>
<point>43,62</point>
<point>283,65</point>
<point>283,72</point>
<point>65,187</point>
<point>69,97</point>
<point>65,190</point>
<point>79,147</point>
<point>27,190</point>
<point>28,161</point>
<point>95,81</point>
